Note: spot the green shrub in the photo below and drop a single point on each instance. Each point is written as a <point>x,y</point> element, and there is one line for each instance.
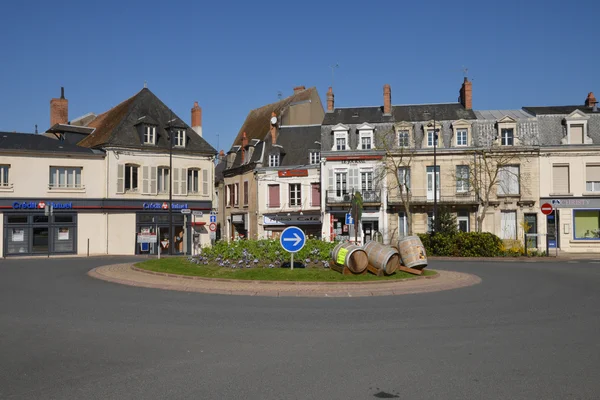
<point>463,244</point>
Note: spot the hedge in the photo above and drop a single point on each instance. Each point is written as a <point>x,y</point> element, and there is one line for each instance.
<point>463,244</point>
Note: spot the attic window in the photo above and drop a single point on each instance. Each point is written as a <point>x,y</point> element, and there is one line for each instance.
<point>355,115</point>
<point>180,138</point>
<point>149,134</point>
<point>273,160</point>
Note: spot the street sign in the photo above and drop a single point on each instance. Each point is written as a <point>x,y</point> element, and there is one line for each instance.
<point>165,244</point>
<point>197,213</point>
<point>212,235</point>
<point>349,219</point>
<point>547,208</point>
<point>146,238</point>
<point>213,213</point>
<point>292,239</point>
<point>213,218</point>
<point>186,211</point>
<point>212,227</point>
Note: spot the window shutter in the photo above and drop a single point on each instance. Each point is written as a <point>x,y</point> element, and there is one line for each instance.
<point>354,180</point>
<point>237,194</point>
<point>331,180</point>
<point>120,178</point>
<point>246,193</point>
<point>205,182</point>
<point>502,181</point>
<point>176,184</point>
<point>592,173</point>
<point>576,134</point>
<point>514,177</point>
<point>315,194</point>
<point>183,181</point>
<point>273,195</point>
<point>153,189</point>
<point>145,183</point>
<point>560,179</point>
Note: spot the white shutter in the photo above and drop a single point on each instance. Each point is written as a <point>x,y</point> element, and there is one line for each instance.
<point>145,183</point>
<point>120,178</point>
<point>176,181</point>
<point>183,179</point>
<point>331,185</point>
<point>354,180</point>
<point>153,189</point>
<point>205,182</point>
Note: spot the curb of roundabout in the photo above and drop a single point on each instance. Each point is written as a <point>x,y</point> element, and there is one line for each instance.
<point>128,274</point>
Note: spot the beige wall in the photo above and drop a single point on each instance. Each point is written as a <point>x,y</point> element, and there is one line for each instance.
<point>29,176</point>
<point>2,235</point>
<point>93,227</point>
<point>121,234</point>
<point>249,210</point>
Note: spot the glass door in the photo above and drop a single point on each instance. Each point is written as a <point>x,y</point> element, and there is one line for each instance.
<point>430,182</point>
<point>531,225</point>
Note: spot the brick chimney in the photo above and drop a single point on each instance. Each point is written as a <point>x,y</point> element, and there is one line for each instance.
<point>466,94</point>
<point>221,156</point>
<point>590,100</point>
<point>273,130</point>
<point>244,144</point>
<point>330,101</point>
<point>197,119</point>
<point>298,89</point>
<point>59,109</point>
<point>387,99</point>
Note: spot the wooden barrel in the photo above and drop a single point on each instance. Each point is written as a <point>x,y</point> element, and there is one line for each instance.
<point>412,252</point>
<point>350,255</point>
<point>382,257</point>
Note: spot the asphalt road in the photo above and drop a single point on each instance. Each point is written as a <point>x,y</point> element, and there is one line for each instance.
<point>528,331</point>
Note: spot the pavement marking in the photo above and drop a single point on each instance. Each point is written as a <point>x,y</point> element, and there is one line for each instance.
<point>128,275</point>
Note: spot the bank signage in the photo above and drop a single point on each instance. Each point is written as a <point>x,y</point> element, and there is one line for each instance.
<point>164,206</point>
<point>40,205</point>
<point>291,219</point>
<point>575,203</point>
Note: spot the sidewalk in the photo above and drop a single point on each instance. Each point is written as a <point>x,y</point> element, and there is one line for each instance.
<point>126,274</point>
<point>564,256</point>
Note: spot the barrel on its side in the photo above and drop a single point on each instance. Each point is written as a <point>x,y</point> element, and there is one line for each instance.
<point>350,255</point>
<point>382,257</point>
<point>412,252</point>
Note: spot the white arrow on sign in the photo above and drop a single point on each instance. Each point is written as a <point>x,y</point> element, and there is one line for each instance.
<point>297,239</point>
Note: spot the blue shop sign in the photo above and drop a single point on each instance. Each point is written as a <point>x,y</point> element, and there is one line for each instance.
<point>163,206</point>
<point>40,205</point>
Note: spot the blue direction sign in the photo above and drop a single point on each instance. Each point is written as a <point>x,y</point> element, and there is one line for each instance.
<point>292,239</point>
<point>213,218</point>
<point>349,219</point>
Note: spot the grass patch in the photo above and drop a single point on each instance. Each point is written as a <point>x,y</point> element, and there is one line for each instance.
<point>182,266</point>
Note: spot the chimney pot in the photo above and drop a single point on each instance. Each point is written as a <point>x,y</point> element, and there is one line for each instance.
<point>590,101</point>
<point>298,89</point>
<point>330,100</point>
<point>387,99</point>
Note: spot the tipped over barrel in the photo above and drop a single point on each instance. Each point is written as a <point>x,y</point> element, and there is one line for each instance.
<point>350,255</point>
<point>382,257</point>
<point>412,252</point>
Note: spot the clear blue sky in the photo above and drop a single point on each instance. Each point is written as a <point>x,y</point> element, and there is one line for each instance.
<point>232,56</point>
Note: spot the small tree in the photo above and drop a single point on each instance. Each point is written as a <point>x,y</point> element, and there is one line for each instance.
<point>446,222</point>
<point>356,212</point>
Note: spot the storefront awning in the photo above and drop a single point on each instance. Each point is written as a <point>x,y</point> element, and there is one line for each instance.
<point>198,223</point>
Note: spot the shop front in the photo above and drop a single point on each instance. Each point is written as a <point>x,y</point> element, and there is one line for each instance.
<point>309,222</point>
<point>574,225</point>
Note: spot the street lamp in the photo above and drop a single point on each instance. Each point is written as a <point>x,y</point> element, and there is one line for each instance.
<point>435,183</point>
<point>171,236</point>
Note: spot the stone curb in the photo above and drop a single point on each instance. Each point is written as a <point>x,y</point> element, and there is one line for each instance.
<point>295,283</point>
<point>128,275</point>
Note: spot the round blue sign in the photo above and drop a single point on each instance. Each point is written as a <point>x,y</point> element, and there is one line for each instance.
<point>292,239</point>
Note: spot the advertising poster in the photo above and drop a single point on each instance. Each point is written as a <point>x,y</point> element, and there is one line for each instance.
<point>18,235</point>
<point>63,233</point>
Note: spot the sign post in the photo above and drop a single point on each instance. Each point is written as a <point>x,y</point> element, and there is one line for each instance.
<point>547,210</point>
<point>292,240</point>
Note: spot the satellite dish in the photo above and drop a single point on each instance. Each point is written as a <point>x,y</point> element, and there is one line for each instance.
<point>273,120</point>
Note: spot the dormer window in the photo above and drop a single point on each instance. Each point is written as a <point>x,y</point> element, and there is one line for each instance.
<point>577,128</point>
<point>314,157</point>
<point>273,160</point>
<point>461,137</point>
<point>462,133</point>
<point>149,134</point>
<point>404,133</point>
<point>340,138</point>
<point>365,134</point>
<point>430,137</point>
<point>507,137</point>
<point>180,138</point>
<point>403,138</point>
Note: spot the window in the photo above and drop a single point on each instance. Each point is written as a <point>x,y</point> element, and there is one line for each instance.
<point>365,143</point>
<point>273,160</point>
<point>462,220</point>
<point>402,224</point>
<point>366,181</point>
<point>315,189</point>
<point>508,225</point>
<point>461,137</point>
<point>340,137</point>
<point>462,178</point>
<point>236,198</point>
<point>245,193</point>
<point>273,196</point>
<point>341,183</point>
<point>592,178</point>
<point>193,181</point>
<point>65,177</point>
<point>315,157</point>
<point>163,179</point>
<point>508,180</point>
<point>295,195</point>
<point>560,179</point>
<point>430,135</point>
<point>507,137</point>
<point>587,224</point>
<point>180,138</point>
<point>131,178</point>
<point>340,143</point>
<point>403,139</point>
<point>229,195</point>
<point>4,182</point>
<point>404,178</point>
<point>149,134</point>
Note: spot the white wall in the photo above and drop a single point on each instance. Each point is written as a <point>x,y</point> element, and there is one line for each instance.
<point>93,227</point>
<point>121,234</point>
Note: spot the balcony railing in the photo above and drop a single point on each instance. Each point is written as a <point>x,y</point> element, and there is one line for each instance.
<point>340,197</point>
<point>442,198</point>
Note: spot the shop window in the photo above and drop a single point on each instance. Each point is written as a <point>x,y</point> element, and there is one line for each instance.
<point>64,218</point>
<point>16,219</point>
<point>40,219</point>
<point>587,224</point>
<point>65,177</point>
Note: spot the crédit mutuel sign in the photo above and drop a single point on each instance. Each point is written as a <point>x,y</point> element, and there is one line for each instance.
<point>35,205</point>
<point>163,206</point>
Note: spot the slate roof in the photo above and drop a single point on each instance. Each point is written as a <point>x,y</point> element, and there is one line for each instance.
<point>219,169</point>
<point>257,121</point>
<point>117,126</point>
<point>499,114</point>
<point>409,113</point>
<point>295,142</point>
<point>550,110</point>
<point>12,141</point>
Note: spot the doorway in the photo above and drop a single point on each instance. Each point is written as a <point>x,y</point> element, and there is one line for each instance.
<point>531,227</point>
<point>430,182</point>
<point>369,229</point>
